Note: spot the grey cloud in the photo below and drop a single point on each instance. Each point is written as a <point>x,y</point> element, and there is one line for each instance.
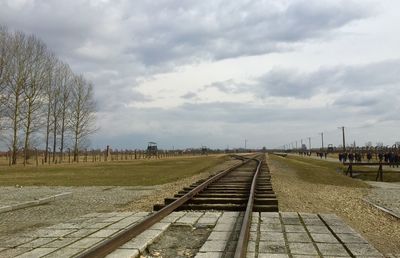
<point>163,32</point>
<point>354,80</point>
<point>189,95</point>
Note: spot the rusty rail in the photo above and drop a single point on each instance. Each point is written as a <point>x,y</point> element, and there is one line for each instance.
<point>106,247</point>
<point>241,247</point>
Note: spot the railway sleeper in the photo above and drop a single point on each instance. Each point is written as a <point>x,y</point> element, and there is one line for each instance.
<point>232,200</point>
<point>222,195</point>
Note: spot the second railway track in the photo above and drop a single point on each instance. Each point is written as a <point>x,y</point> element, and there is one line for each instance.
<point>243,187</point>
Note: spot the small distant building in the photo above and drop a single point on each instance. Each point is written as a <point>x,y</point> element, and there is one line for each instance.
<point>152,149</point>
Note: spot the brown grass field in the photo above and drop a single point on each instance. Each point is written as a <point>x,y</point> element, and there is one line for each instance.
<point>117,173</point>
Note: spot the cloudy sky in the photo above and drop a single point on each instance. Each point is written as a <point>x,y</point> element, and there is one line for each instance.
<point>192,73</point>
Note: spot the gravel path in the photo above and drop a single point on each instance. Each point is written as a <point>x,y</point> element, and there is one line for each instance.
<point>295,194</point>
<point>83,200</point>
<point>386,195</point>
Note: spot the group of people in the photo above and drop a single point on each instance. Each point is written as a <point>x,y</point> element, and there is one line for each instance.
<point>387,157</point>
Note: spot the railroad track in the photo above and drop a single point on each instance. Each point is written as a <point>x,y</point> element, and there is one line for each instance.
<point>243,187</point>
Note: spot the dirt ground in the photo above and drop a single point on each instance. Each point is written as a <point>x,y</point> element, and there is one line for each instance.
<point>303,187</point>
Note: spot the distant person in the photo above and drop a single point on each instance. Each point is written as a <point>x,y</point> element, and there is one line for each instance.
<point>351,157</point>
<point>380,156</point>
<point>369,156</point>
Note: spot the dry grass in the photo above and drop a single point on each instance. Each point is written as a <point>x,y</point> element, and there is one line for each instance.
<point>120,173</point>
<point>306,185</point>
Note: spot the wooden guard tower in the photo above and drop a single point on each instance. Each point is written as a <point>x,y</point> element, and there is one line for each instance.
<point>152,149</point>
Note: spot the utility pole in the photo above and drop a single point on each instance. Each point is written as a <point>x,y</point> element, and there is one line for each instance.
<point>344,141</point>
<point>245,143</point>
<point>322,139</point>
<point>309,143</point>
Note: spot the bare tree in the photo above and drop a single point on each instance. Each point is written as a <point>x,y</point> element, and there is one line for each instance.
<point>3,66</point>
<point>55,114</point>
<point>82,112</point>
<point>33,92</point>
<point>49,96</point>
<point>16,80</point>
<point>38,91</point>
<point>65,102</point>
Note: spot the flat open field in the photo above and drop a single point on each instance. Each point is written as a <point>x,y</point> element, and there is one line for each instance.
<point>388,175</point>
<point>318,186</point>
<point>118,173</point>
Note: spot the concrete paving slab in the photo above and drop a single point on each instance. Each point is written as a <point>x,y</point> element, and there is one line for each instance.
<point>38,252</point>
<point>272,236</point>
<point>85,242</point>
<point>250,254</point>
<point>160,226</point>
<point>38,242</point>
<point>224,227</point>
<point>103,233</point>
<point>314,222</point>
<point>81,233</point>
<point>332,250</point>
<point>206,221</point>
<point>273,256</point>
<point>172,217</point>
<point>268,220</point>
<point>143,240</point>
<point>291,221</point>
<point>251,247</point>
<point>209,255</point>
<point>124,253</point>
<point>189,218</point>
<point>318,229</point>
<point>271,227</point>
<point>272,247</point>
<point>351,238</point>
<point>303,248</point>
<point>298,238</point>
<point>219,235</point>
<point>15,241</point>
<point>363,250</point>
<point>324,238</point>
<point>65,252</point>
<point>214,246</point>
<point>61,242</point>
<point>253,236</point>
<point>294,228</point>
<point>342,229</point>
<point>14,252</point>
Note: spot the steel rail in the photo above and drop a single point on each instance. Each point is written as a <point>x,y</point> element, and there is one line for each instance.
<point>106,247</point>
<point>241,247</point>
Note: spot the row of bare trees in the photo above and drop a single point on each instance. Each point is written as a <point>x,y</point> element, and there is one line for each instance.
<point>43,104</point>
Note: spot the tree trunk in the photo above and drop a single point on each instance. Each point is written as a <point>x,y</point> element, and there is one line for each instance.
<point>27,133</point>
<point>46,152</point>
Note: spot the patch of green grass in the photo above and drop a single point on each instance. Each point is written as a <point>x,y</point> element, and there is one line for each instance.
<point>122,173</point>
<point>317,171</point>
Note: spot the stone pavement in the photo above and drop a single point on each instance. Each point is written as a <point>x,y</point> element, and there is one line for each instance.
<point>286,234</point>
